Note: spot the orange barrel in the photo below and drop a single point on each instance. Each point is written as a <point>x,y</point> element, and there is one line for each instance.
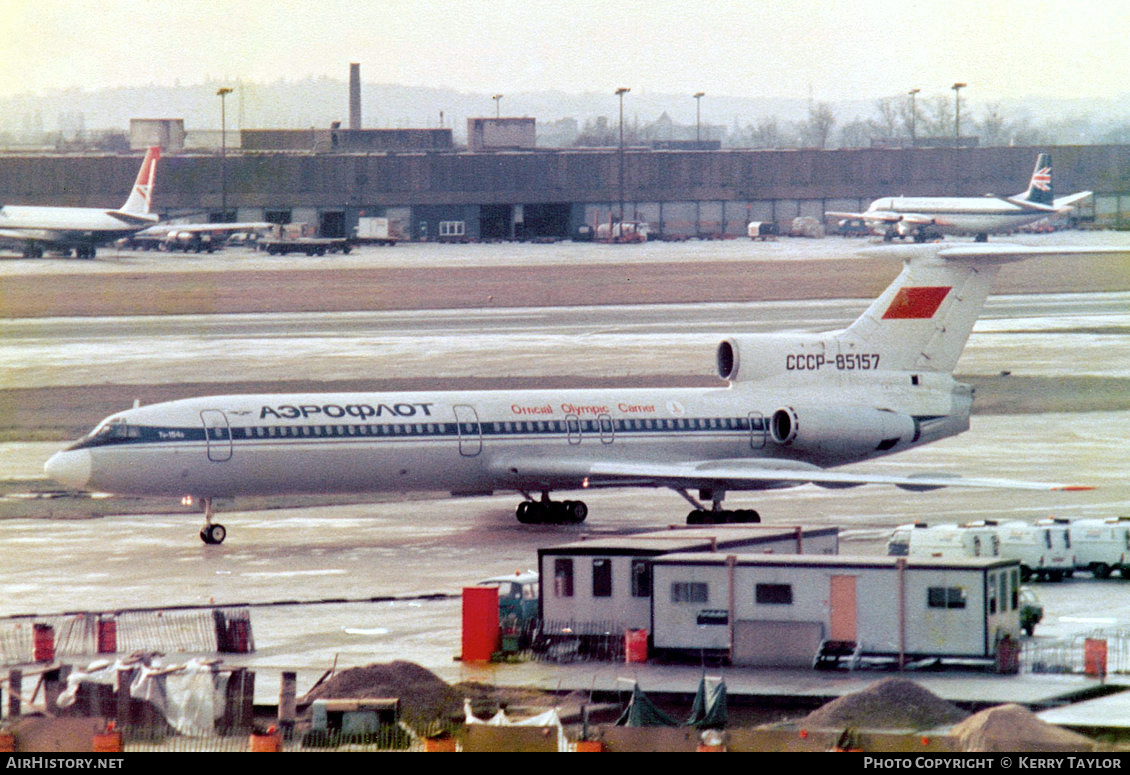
<point>271,742</point>
<point>43,643</point>
<point>1008,656</point>
<point>7,742</point>
<point>635,645</point>
<point>444,744</point>
<point>107,636</point>
<point>1094,657</point>
<point>590,746</point>
<point>108,742</point>
<point>480,623</point>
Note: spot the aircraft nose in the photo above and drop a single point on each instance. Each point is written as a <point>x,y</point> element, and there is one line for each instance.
<point>70,467</point>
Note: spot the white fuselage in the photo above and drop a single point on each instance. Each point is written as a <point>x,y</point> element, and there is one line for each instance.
<point>462,442</point>
<point>68,225</point>
<point>954,215</point>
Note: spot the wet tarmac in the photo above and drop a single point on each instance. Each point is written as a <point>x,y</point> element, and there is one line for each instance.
<point>416,555</point>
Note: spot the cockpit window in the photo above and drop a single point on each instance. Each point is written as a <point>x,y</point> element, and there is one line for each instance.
<point>109,432</point>
<point>116,429</point>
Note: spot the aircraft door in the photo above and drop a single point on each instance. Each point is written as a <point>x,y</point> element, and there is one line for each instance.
<point>607,428</point>
<point>843,604</point>
<point>217,433</point>
<point>573,428</point>
<point>469,429</point>
<point>758,430</point>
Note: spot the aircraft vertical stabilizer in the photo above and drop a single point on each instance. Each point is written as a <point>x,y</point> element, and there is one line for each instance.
<point>141,197</point>
<point>924,318</point>
<point>1040,185</point>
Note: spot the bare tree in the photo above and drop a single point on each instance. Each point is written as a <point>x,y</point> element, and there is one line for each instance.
<point>818,128</point>
<point>890,110</point>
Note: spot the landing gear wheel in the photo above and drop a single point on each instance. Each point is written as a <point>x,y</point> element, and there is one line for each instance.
<point>576,511</point>
<point>722,517</point>
<point>213,534</point>
<point>547,512</point>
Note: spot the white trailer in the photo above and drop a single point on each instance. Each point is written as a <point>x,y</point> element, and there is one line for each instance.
<point>1102,546</point>
<point>1042,548</point>
<point>378,231</point>
<point>919,539</point>
<point>802,610</point>
<point>603,585</point>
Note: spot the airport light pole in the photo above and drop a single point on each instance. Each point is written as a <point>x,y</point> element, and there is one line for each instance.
<point>698,117</point>
<point>223,92</point>
<point>497,105</point>
<point>913,117</point>
<point>620,93</point>
<point>957,87</point>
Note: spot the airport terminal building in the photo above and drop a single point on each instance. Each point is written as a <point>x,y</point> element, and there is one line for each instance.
<point>435,191</point>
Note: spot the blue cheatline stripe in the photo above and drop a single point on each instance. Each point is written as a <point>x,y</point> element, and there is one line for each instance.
<point>504,429</point>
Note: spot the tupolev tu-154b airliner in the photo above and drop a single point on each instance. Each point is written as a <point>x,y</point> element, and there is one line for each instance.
<point>796,407</point>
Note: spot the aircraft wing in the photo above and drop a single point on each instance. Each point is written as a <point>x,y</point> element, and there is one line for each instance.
<point>759,473</point>
<point>163,229</point>
<point>746,474</point>
<point>883,216</point>
<point>1070,199</point>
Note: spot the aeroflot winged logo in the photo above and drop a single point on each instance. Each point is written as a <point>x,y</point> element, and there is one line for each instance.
<point>916,303</point>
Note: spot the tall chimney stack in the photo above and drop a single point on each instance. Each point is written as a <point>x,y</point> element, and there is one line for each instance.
<point>354,96</point>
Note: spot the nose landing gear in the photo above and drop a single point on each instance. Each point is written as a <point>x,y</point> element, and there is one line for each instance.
<point>213,533</point>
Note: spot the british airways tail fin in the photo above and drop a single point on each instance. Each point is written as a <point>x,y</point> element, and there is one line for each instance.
<point>1040,184</point>
<point>141,197</point>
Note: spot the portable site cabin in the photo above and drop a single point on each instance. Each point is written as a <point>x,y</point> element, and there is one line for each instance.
<point>918,539</point>
<point>603,586</point>
<point>1102,545</point>
<point>781,610</point>
<point>1043,548</point>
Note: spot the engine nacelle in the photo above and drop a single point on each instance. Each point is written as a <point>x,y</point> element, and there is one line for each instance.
<point>849,432</point>
<point>758,356</point>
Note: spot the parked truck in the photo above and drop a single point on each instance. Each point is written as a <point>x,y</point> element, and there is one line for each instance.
<point>378,231</point>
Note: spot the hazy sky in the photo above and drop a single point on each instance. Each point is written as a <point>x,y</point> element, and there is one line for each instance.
<point>773,48</point>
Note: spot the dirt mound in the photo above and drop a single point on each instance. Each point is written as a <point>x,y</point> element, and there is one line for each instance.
<point>1015,728</point>
<point>424,696</point>
<point>892,703</point>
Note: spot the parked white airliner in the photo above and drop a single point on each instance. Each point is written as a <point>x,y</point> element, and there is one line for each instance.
<point>925,218</point>
<point>796,405</point>
<point>81,229</point>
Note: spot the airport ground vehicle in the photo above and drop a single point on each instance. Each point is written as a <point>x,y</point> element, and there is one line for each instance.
<point>1102,545</point>
<point>1043,548</point>
<point>517,606</point>
<point>918,539</point>
<point>311,246</point>
<point>1031,611</point>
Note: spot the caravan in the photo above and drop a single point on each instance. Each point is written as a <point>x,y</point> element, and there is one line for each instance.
<point>1043,548</point>
<point>950,541</point>
<point>1102,546</point>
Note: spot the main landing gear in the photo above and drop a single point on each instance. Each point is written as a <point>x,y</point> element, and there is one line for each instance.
<point>547,512</point>
<point>716,515</point>
<point>213,533</point>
